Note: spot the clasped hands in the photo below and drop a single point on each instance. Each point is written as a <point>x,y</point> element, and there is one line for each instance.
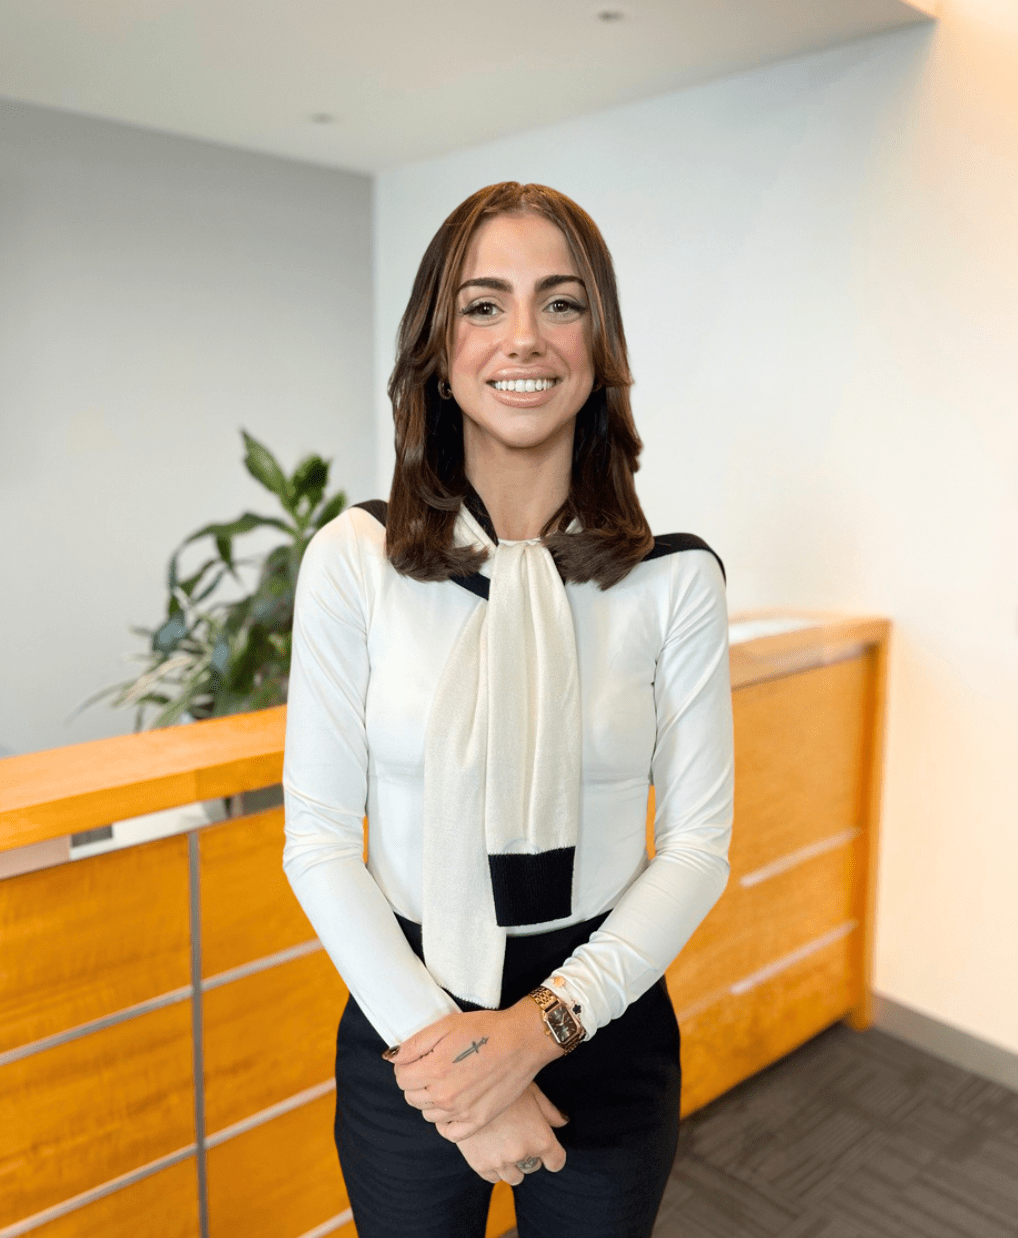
<point>471,1074</point>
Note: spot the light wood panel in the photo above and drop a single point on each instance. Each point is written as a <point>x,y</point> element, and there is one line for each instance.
<point>502,1213</point>
<point>270,1036</point>
<point>90,938</point>
<point>248,909</point>
<point>749,928</point>
<point>88,1111</point>
<point>740,1035</point>
<point>163,1205</point>
<point>800,749</point>
<point>280,1179</point>
<point>61,790</point>
<point>864,885</point>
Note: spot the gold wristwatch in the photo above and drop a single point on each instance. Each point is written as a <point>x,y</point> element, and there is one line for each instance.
<point>560,1021</point>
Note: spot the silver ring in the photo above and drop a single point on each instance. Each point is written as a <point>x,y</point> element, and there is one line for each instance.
<point>529,1165</point>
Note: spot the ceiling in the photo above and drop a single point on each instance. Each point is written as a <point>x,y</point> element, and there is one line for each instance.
<point>368,85</point>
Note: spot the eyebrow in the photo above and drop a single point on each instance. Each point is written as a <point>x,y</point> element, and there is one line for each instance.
<point>501,285</point>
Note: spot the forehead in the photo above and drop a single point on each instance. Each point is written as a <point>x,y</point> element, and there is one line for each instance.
<point>520,244</point>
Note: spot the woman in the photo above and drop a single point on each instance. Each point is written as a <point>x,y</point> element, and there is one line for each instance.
<point>493,666</point>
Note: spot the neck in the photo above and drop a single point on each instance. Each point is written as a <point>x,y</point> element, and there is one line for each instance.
<point>521,488</point>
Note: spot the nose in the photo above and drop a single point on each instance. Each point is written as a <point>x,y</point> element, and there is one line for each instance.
<point>523,333</point>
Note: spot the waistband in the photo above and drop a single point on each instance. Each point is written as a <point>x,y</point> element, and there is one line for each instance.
<point>528,959</point>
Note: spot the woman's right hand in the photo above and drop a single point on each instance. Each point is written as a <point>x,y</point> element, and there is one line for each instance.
<point>518,1133</point>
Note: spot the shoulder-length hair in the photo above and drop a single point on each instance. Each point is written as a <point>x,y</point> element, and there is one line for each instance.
<point>429,482</point>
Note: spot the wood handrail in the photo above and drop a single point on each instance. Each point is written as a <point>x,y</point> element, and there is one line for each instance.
<point>830,638</point>
<point>60,791</point>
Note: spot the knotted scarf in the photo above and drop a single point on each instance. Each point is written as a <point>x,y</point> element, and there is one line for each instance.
<point>501,770</point>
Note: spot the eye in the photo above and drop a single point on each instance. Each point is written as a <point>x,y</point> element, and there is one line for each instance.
<point>480,309</point>
<point>564,305</point>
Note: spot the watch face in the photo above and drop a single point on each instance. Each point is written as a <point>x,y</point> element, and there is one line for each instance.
<point>562,1024</point>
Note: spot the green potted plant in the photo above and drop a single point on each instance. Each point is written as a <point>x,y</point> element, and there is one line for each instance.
<point>210,657</point>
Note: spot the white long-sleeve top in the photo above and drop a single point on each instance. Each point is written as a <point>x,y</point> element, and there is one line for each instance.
<point>369,646</point>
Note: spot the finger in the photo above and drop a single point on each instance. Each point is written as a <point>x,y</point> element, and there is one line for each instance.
<point>554,1157</point>
<point>416,1047</point>
<point>463,1129</point>
<point>420,1073</point>
<point>421,1098</point>
<point>456,1132</point>
<point>512,1175</point>
<point>552,1114</point>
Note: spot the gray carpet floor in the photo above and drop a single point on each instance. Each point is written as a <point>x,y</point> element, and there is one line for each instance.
<point>854,1135</point>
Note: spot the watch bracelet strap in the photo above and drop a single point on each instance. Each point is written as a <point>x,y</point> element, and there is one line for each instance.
<point>545,998</point>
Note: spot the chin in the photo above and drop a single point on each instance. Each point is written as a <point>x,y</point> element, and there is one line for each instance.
<point>522,440</point>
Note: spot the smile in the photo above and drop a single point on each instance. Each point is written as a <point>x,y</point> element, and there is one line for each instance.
<point>524,384</point>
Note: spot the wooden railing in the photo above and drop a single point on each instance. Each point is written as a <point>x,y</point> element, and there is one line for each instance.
<point>44,795</point>
<point>167,1017</point>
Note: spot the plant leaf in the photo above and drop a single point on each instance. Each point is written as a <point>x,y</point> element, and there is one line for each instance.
<point>95,697</point>
<point>233,528</point>
<point>309,480</point>
<point>264,467</point>
<point>331,509</point>
<point>166,638</point>
<point>188,586</point>
<point>220,659</point>
<point>210,588</point>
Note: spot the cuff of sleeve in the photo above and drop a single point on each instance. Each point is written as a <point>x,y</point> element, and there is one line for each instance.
<point>560,986</point>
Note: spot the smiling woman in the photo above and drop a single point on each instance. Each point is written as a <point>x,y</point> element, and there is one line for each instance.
<point>455,674</point>
<point>520,367</point>
<point>517,285</point>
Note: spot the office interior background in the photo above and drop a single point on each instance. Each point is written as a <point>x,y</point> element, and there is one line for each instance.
<point>817,254</point>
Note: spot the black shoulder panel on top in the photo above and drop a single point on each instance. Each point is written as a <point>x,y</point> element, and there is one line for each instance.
<point>476,583</point>
<point>672,543</point>
<point>377,508</point>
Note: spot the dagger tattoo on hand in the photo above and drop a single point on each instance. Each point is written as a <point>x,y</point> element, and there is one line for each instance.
<point>475,1047</point>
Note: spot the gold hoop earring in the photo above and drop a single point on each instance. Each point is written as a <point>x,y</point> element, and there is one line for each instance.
<point>444,390</point>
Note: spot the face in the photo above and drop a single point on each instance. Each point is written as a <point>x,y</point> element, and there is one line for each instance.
<point>521,318</point>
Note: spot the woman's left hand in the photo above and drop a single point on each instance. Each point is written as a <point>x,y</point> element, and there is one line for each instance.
<point>467,1068</point>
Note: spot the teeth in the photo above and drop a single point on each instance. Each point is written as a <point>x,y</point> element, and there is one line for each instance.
<point>524,384</point>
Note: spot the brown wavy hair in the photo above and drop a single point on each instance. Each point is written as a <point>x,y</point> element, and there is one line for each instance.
<point>430,483</point>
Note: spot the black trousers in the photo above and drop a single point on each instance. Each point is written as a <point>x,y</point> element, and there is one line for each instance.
<point>620,1092</point>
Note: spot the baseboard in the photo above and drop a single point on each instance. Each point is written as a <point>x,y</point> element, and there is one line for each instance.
<point>944,1041</point>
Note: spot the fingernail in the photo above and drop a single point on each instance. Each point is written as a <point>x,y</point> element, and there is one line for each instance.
<point>389,1054</point>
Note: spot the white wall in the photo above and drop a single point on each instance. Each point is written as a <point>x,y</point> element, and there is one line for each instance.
<point>818,263</point>
<point>156,294</point>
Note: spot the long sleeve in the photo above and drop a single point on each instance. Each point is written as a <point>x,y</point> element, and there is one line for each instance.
<point>693,776</point>
<point>325,774</point>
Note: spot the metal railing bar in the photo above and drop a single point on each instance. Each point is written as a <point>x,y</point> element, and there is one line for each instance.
<point>788,960</point>
<point>262,964</point>
<point>197,1028</point>
<point>27,1224</point>
<point>794,858</point>
<point>273,1111</point>
<point>766,972</point>
<point>95,1025</point>
<point>329,1226</point>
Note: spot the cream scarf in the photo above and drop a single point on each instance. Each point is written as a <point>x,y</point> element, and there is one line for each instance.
<point>501,771</point>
